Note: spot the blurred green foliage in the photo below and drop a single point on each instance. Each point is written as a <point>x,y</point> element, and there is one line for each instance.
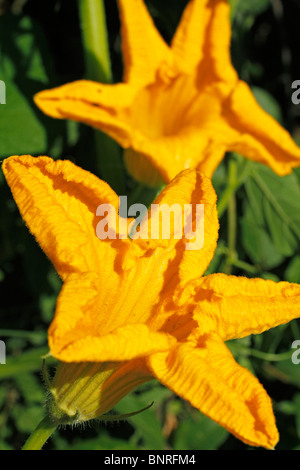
<point>40,47</point>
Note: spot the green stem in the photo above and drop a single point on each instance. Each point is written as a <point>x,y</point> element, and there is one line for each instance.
<point>260,354</point>
<point>237,262</point>
<point>98,68</point>
<point>95,40</point>
<point>40,435</point>
<point>232,220</point>
<point>232,187</point>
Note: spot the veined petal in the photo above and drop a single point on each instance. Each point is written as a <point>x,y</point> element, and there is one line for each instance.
<point>203,38</point>
<point>182,225</point>
<point>207,375</point>
<point>126,343</point>
<point>58,202</point>
<point>105,107</point>
<point>239,306</point>
<point>218,42</point>
<point>189,39</point>
<point>143,47</point>
<point>89,389</point>
<point>169,155</point>
<point>177,132</point>
<point>258,136</point>
<point>80,330</point>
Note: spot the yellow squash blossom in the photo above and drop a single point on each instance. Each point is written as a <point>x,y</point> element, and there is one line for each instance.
<point>135,309</point>
<point>181,106</point>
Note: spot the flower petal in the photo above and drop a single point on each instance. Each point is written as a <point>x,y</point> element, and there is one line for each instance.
<point>208,377</point>
<point>238,306</point>
<point>143,47</point>
<point>202,40</point>
<point>180,131</point>
<point>188,41</point>
<point>256,135</point>
<point>89,389</point>
<point>58,202</point>
<point>187,239</point>
<point>104,107</point>
<point>80,331</point>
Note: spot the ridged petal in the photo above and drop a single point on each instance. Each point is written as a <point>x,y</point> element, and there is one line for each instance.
<point>238,306</point>
<point>58,202</point>
<point>91,389</point>
<point>256,135</point>
<point>191,241</point>
<point>80,331</point>
<point>208,377</point>
<point>144,50</point>
<point>189,39</point>
<point>203,38</point>
<point>104,107</point>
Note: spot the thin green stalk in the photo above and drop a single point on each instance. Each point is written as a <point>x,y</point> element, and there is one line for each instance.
<point>260,354</point>
<point>98,68</point>
<point>244,266</point>
<point>95,40</point>
<point>237,262</point>
<point>232,187</point>
<point>232,220</point>
<point>40,435</point>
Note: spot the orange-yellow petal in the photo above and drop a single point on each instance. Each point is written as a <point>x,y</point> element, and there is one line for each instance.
<point>143,47</point>
<point>182,227</point>
<point>189,39</point>
<point>104,107</point>
<point>218,42</point>
<point>58,202</point>
<point>256,135</point>
<point>81,328</point>
<point>202,40</point>
<point>206,374</point>
<point>238,306</point>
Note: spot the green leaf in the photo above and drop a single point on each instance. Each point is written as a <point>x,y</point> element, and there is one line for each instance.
<point>268,103</point>
<point>25,67</point>
<point>285,371</point>
<point>199,433</point>
<point>252,7</point>
<point>271,216</point>
<point>147,425</point>
<point>27,361</point>
<point>292,272</point>
<point>28,418</point>
<point>257,242</point>
<point>31,388</point>
<point>21,131</point>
